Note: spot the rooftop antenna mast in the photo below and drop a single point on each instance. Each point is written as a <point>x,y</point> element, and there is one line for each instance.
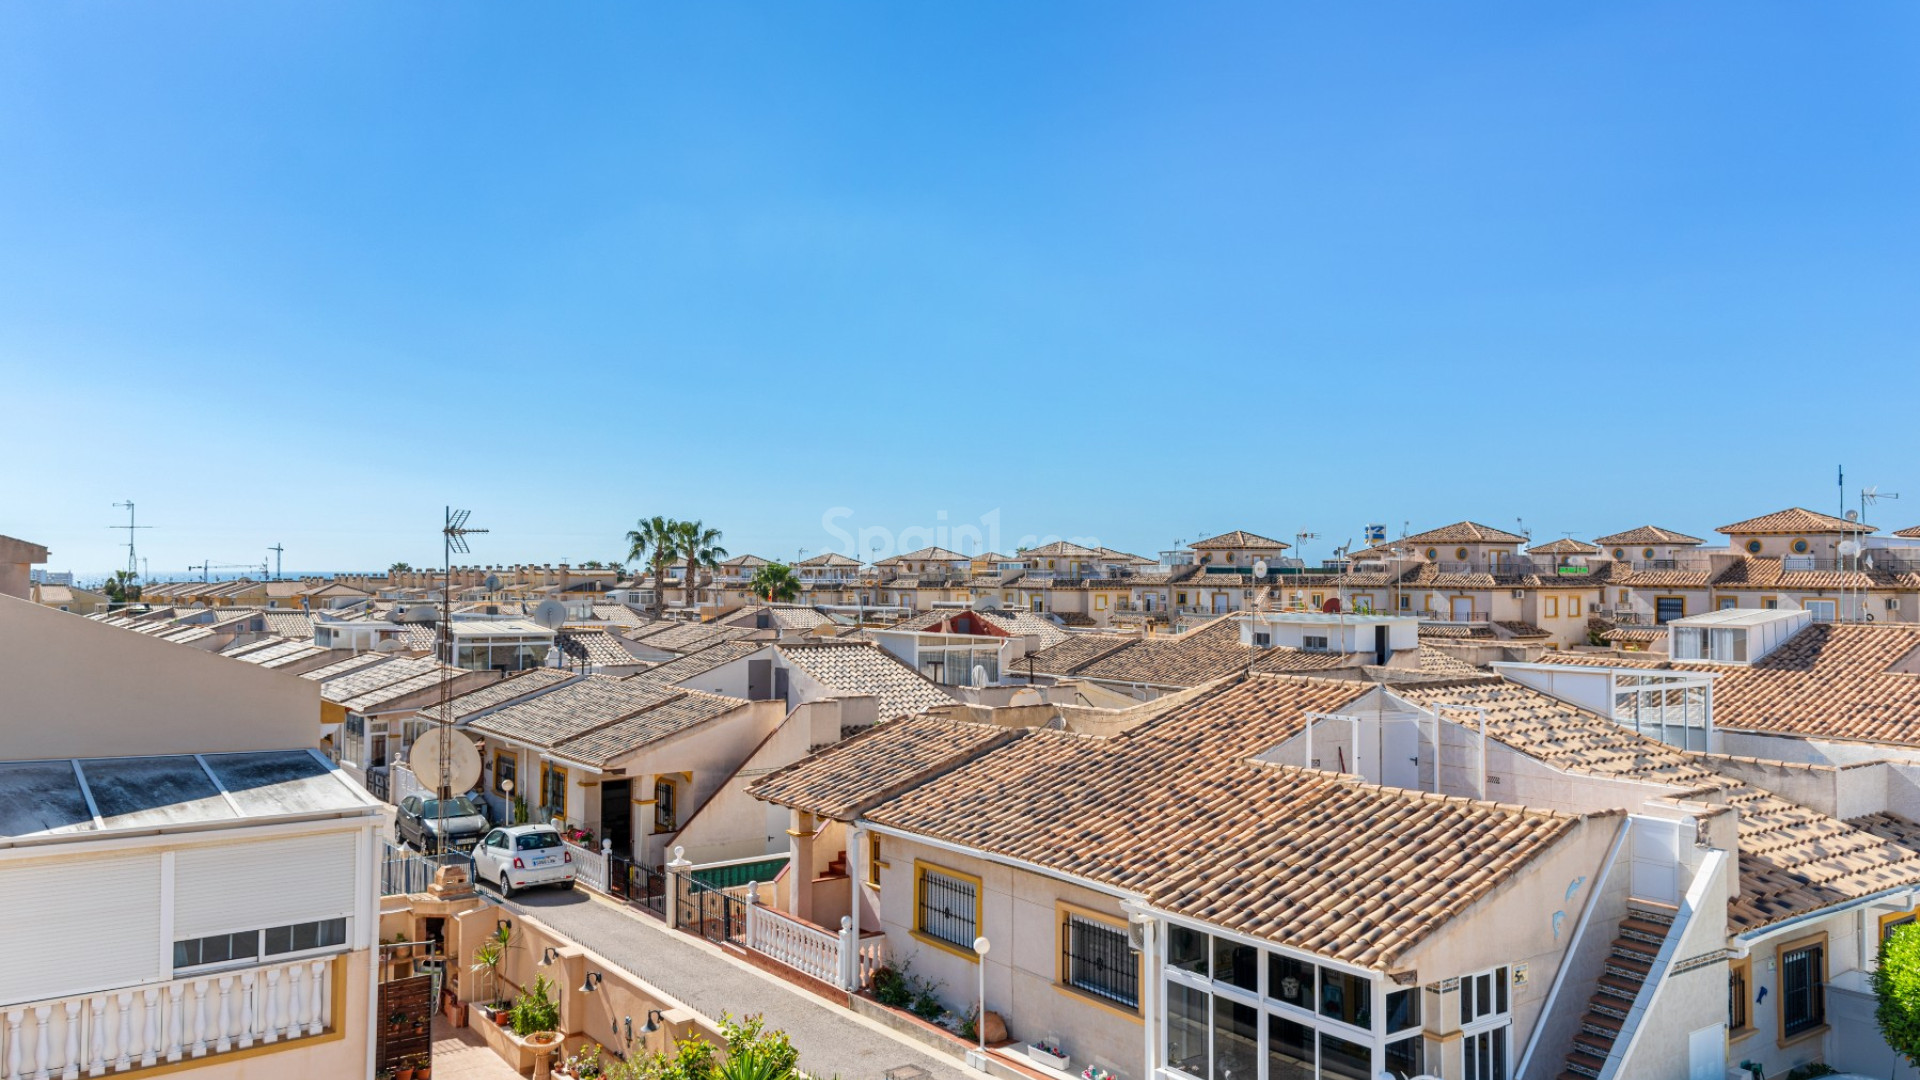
<point>133,559</point>
<point>453,538</point>
<point>277,550</point>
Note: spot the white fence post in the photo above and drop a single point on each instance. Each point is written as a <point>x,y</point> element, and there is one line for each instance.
<point>849,955</point>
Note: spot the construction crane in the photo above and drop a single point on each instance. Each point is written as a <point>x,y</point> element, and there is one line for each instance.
<point>133,559</point>
<point>207,568</point>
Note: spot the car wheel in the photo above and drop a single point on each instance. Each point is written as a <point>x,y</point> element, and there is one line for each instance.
<point>506,886</point>
<point>568,885</point>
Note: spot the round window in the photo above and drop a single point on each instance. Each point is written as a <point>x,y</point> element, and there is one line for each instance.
<point>1432,554</point>
<point>1753,546</point>
<point>1800,547</point>
<point>1647,554</point>
<point>1460,554</point>
<point>1619,553</point>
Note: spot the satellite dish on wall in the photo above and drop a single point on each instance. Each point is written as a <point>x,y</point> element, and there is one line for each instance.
<point>493,582</point>
<point>389,645</point>
<point>551,614</point>
<point>1849,547</point>
<point>1259,568</point>
<point>463,758</point>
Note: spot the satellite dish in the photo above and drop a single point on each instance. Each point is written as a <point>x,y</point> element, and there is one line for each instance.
<point>1259,568</point>
<point>551,614</point>
<point>463,758</point>
<point>1853,515</point>
<point>1849,547</point>
<point>979,675</point>
<point>389,645</point>
<point>493,582</point>
<point>1027,696</point>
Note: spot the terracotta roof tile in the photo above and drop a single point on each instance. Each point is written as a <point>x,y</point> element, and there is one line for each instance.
<point>1647,534</point>
<point>1238,538</point>
<point>860,668</point>
<point>1465,532</point>
<point>1794,520</point>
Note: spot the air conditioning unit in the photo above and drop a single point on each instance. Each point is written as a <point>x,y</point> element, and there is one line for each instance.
<point>1519,594</point>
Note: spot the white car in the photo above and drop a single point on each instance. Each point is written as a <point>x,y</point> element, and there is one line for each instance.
<point>516,857</point>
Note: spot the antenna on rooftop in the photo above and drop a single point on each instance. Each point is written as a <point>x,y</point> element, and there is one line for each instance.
<point>133,559</point>
<point>453,537</point>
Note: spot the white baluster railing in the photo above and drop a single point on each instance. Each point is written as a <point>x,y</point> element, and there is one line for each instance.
<point>589,866</point>
<point>109,1033</point>
<point>810,950</point>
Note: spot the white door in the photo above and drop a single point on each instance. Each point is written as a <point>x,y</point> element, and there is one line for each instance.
<point>1707,1053</point>
<point>1400,753</point>
<point>1656,860</point>
<point>1462,608</point>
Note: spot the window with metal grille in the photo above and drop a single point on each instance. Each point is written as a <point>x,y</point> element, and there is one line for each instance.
<point>948,907</point>
<point>1803,1006</point>
<point>1097,959</point>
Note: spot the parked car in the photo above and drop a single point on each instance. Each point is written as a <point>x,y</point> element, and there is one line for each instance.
<point>521,856</point>
<point>417,822</point>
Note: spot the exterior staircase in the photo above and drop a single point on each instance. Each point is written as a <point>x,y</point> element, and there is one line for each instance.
<point>837,868</point>
<point>1629,960</point>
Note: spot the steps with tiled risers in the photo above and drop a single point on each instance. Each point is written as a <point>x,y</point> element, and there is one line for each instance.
<point>1629,959</point>
<point>836,868</point>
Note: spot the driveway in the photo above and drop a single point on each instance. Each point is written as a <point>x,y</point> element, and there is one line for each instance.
<point>831,1040</point>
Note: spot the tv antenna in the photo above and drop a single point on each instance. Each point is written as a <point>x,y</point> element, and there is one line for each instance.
<point>133,559</point>
<point>1301,539</point>
<point>453,538</point>
<point>277,550</point>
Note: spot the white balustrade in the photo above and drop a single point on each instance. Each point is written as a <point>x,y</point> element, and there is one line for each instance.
<point>589,866</point>
<point>810,950</point>
<point>114,1032</point>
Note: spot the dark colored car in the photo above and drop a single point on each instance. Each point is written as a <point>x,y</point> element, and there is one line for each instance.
<point>417,822</point>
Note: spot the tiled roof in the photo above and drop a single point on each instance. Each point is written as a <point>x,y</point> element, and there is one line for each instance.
<point>1027,624</point>
<point>828,558</point>
<point>571,710</point>
<point>400,688</point>
<point>592,646</point>
<point>699,663</point>
<point>618,615</point>
<point>290,624</point>
<point>1522,629</point>
<point>1124,557</point>
<point>871,766</point>
<point>600,746</point>
<point>1281,658</point>
<point>1465,532</point>
<point>498,693</point>
<point>925,554</point>
<point>860,668</point>
<point>1909,534</point>
<point>358,681</point>
<point>1793,521</point>
<point>1059,549</point>
<point>1304,858</point>
<point>686,637</point>
<point>1647,534</point>
<point>1831,680</point>
<point>1563,546</point>
<point>345,665</point>
<point>1635,633</point>
<point>1078,649</point>
<point>1441,662</point>
<point>1238,538</point>
<point>1792,859</point>
<point>1197,656</point>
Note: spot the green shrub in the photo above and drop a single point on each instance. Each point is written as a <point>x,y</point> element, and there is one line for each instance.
<point>1896,983</point>
<point>535,1009</point>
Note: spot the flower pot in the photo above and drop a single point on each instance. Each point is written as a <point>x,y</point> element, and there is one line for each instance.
<point>403,1074</point>
<point>1049,1058</point>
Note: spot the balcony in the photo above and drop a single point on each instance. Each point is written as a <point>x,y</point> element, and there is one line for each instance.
<point>194,1018</point>
<point>1454,617</point>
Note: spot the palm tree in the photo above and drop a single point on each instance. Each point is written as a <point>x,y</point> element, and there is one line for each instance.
<point>122,588</point>
<point>653,541</point>
<point>700,547</point>
<point>775,583</point>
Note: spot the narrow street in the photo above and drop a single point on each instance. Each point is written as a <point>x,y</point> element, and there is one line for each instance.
<point>831,1041</point>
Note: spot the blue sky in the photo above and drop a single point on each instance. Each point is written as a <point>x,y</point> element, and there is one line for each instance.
<point>1126,272</point>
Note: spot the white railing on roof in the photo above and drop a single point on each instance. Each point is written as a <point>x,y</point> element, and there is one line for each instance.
<point>195,1017</point>
<point>589,866</point>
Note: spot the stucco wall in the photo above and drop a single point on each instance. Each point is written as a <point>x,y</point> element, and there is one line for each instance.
<point>78,688</point>
<point>1020,921</point>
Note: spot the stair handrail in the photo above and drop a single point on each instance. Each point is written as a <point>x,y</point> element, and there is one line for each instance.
<point>1579,934</point>
<point>1704,878</point>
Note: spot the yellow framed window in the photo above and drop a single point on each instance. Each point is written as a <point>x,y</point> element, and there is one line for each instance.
<point>1553,607</point>
<point>553,788</point>
<point>946,907</point>
<point>1094,957</point>
<point>666,802</point>
<point>506,767</point>
<point>874,862</point>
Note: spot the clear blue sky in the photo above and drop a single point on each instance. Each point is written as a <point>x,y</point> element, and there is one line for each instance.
<point>306,273</point>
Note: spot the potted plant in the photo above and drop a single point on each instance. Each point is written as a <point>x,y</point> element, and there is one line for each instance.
<point>1048,1053</point>
<point>422,1067</point>
<point>536,1015</point>
<point>582,1064</point>
<point>404,1072</point>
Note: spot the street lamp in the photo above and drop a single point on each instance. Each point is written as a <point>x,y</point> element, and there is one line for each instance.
<point>980,947</point>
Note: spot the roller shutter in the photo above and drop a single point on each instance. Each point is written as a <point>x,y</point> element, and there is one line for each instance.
<point>78,925</point>
<point>234,887</point>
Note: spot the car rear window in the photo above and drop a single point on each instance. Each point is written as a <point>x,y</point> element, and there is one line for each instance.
<point>534,841</point>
